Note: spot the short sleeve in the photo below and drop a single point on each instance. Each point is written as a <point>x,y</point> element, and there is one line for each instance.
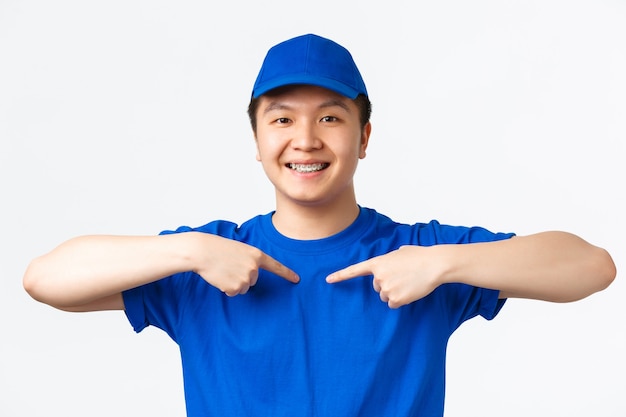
<point>462,302</point>
<point>159,304</point>
<point>134,309</point>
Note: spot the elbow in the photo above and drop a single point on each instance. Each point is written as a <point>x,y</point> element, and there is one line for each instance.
<point>32,281</point>
<point>601,272</point>
<point>606,269</point>
<point>596,275</point>
<point>37,286</point>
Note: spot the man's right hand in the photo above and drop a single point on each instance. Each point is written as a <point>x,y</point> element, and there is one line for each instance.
<point>232,266</point>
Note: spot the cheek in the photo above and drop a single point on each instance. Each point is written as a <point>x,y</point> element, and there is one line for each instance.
<point>262,150</point>
<point>359,150</point>
<point>269,147</point>
<point>266,153</point>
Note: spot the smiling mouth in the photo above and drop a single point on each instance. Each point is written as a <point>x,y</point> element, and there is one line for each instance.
<point>305,168</point>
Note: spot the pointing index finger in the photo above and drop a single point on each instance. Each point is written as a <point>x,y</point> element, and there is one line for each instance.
<point>357,270</point>
<point>272,265</point>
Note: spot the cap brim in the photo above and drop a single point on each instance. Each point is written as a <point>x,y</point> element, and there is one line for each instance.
<point>328,83</point>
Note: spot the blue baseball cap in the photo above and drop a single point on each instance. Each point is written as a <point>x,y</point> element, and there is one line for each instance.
<point>311,60</point>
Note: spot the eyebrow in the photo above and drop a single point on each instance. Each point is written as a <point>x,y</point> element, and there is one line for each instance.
<point>276,105</point>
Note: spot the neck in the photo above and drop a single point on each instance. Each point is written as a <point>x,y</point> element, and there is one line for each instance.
<point>308,222</point>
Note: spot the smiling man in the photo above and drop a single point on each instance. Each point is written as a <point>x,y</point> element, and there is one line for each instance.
<point>321,307</point>
<point>309,140</point>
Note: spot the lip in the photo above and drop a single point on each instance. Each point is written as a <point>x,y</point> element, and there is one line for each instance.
<point>306,161</point>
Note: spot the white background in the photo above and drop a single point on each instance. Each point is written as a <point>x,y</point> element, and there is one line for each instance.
<point>128,117</point>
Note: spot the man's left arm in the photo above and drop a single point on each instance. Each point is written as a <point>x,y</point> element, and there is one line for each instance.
<point>550,266</point>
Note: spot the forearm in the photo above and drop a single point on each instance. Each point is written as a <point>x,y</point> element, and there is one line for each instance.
<point>90,268</point>
<point>551,266</point>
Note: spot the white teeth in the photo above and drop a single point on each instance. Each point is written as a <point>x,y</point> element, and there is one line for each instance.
<point>307,167</point>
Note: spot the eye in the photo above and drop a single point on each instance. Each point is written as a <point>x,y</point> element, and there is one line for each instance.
<point>282,120</point>
<point>329,119</point>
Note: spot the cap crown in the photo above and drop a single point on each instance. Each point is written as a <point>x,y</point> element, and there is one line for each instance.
<point>312,60</point>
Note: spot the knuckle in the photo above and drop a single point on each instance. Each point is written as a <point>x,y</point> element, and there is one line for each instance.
<point>256,255</point>
<point>234,287</point>
<point>395,302</point>
<point>379,281</point>
<point>230,292</point>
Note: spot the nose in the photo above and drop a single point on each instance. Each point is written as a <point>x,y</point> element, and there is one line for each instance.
<point>306,138</point>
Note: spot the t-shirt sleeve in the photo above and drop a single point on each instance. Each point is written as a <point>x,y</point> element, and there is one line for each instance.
<point>134,309</point>
<point>161,303</point>
<point>463,302</point>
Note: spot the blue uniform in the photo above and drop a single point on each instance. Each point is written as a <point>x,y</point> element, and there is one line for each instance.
<point>314,349</point>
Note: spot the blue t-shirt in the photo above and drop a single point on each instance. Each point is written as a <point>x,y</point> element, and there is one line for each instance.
<point>313,348</point>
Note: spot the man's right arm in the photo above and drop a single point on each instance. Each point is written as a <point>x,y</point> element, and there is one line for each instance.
<point>90,273</point>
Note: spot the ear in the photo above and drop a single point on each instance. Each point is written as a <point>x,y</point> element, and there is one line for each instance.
<point>365,139</point>
<point>256,144</point>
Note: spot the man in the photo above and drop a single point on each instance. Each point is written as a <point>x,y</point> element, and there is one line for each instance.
<point>322,307</point>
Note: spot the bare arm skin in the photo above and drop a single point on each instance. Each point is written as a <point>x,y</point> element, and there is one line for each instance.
<point>550,266</point>
<point>90,272</point>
